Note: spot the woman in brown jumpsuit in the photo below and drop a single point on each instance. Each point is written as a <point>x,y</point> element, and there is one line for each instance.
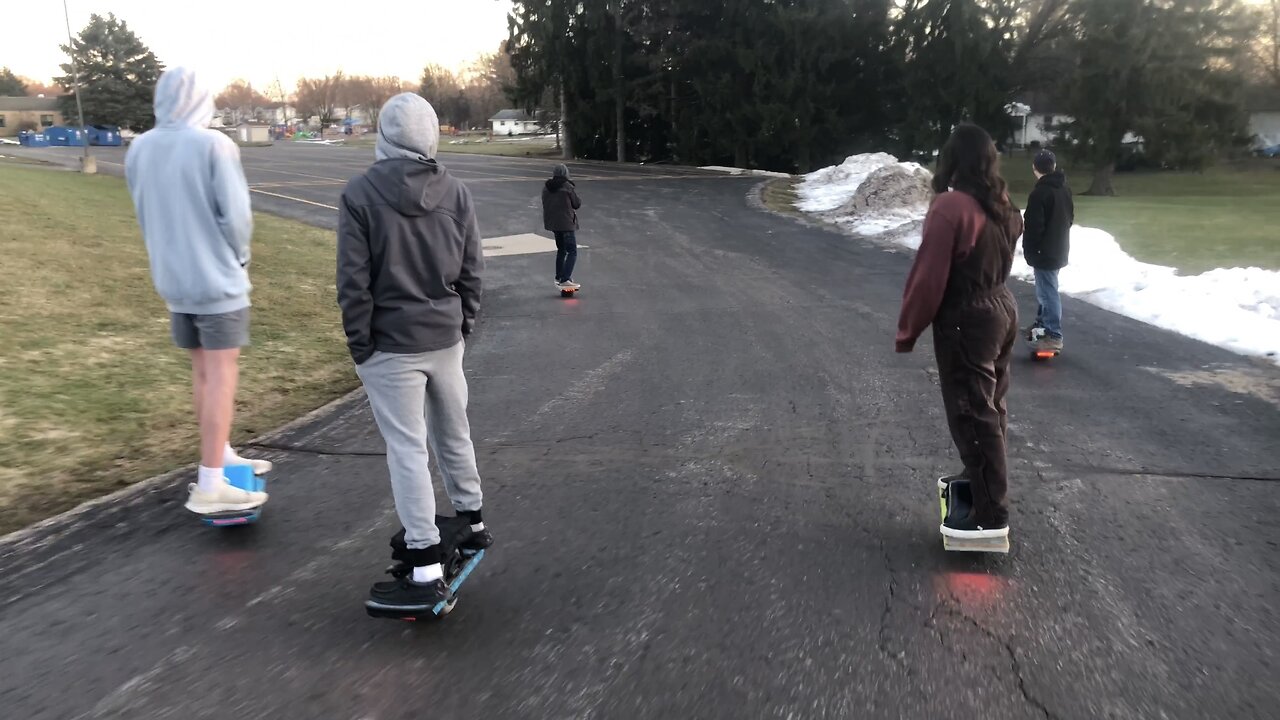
<point>957,284</point>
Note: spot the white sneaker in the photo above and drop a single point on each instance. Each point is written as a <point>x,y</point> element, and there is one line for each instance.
<point>260,467</point>
<point>569,285</point>
<point>227,498</point>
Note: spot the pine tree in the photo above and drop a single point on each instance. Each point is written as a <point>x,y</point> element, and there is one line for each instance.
<point>11,84</point>
<point>117,75</point>
<point>1160,70</point>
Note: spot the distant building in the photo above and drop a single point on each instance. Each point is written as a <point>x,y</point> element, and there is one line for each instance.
<point>41,112</point>
<point>1264,119</point>
<point>514,122</point>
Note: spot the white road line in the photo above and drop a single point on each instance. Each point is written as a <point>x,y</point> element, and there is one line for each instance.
<point>290,197</point>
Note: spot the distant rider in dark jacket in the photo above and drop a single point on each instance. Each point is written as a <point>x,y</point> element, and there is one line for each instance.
<point>1046,243</point>
<point>560,205</point>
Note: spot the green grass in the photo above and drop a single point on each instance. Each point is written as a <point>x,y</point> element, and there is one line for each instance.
<point>1227,216</point>
<point>93,396</point>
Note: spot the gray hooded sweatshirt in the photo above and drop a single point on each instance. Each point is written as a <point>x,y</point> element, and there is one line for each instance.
<point>409,255</point>
<point>192,202</point>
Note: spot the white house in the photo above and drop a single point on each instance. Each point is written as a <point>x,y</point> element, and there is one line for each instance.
<point>1043,127</point>
<point>514,122</point>
<point>1264,125</point>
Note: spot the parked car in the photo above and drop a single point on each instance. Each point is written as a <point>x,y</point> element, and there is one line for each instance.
<point>1268,152</point>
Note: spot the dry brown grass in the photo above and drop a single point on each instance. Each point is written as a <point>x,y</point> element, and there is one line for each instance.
<point>93,396</point>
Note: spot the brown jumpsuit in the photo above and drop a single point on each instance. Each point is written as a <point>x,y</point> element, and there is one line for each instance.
<point>958,285</point>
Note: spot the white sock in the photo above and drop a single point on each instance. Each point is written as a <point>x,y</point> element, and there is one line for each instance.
<point>209,479</point>
<point>477,527</point>
<point>230,457</point>
<point>428,573</point>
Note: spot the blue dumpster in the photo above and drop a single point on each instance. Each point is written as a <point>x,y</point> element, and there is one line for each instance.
<point>105,135</point>
<point>65,136</point>
<point>29,138</point>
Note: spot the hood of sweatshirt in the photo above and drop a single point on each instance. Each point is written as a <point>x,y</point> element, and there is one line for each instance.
<point>558,182</point>
<point>407,128</point>
<point>413,187</point>
<point>182,100</point>
<point>1055,179</point>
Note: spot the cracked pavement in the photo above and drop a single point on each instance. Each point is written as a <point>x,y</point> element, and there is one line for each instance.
<point>712,486</point>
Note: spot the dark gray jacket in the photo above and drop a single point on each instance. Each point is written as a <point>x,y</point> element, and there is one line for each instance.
<point>559,205</point>
<point>409,259</point>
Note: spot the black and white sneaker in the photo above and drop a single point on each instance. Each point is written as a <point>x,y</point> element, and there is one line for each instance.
<point>403,596</point>
<point>944,482</point>
<point>482,540</point>
<point>965,528</point>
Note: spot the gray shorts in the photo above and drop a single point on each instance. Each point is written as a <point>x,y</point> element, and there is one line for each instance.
<point>223,331</point>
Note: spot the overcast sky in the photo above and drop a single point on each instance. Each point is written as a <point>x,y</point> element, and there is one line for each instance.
<point>259,41</point>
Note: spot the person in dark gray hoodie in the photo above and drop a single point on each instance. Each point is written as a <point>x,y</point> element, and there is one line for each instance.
<point>560,205</point>
<point>408,279</point>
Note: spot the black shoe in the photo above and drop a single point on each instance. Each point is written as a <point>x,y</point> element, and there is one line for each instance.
<point>482,540</point>
<point>403,596</point>
<point>944,482</point>
<point>969,529</point>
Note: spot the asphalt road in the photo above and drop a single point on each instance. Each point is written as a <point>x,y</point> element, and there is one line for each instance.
<point>711,482</point>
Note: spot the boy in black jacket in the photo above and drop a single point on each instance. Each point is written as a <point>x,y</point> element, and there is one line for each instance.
<point>1046,242</point>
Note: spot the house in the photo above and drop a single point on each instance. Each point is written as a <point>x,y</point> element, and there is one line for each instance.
<point>514,122</point>
<point>34,112</point>
<point>253,133</point>
<point>1040,127</point>
<point>1264,117</point>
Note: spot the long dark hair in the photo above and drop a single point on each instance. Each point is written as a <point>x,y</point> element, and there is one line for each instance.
<point>969,163</point>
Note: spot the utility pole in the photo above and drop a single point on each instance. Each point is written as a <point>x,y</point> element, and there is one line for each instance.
<point>88,163</point>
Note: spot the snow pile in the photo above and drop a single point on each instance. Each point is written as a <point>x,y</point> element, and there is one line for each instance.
<point>1234,308</point>
<point>829,188</point>
<point>889,198</point>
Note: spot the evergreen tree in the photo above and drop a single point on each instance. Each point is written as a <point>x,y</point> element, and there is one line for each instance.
<point>11,84</point>
<point>117,75</point>
<point>1160,70</point>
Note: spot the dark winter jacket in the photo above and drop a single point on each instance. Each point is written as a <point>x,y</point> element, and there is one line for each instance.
<point>409,259</point>
<point>1046,240</point>
<point>559,205</point>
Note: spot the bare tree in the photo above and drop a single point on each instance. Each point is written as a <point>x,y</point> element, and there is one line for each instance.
<point>376,91</point>
<point>319,97</point>
<point>240,97</point>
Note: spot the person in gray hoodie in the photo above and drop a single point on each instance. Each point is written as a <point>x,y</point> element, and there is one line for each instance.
<point>408,280</point>
<point>560,204</point>
<point>192,203</point>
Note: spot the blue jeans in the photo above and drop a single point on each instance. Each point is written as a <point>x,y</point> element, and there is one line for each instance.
<point>1049,316</point>
<point>566,254</point>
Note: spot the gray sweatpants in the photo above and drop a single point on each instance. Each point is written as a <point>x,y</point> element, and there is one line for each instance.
<point>420,404</point>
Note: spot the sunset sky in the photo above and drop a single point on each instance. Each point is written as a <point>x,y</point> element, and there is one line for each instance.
<point>265,40</point>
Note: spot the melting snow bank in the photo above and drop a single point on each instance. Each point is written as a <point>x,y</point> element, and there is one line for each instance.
<point>1233,308</point>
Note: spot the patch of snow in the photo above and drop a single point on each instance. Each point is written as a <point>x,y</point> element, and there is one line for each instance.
<point>744,171</point>
<point>1233,308</point>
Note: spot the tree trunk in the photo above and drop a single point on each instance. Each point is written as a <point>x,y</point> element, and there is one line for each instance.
<point>566,145</point>
<point>619,83</point>
<point>1101,184</point>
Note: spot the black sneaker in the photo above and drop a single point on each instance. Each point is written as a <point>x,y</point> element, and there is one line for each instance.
<point>966,528</point>
<point>475,541</point>
<point>943,482</point>
<point>403,596</point>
